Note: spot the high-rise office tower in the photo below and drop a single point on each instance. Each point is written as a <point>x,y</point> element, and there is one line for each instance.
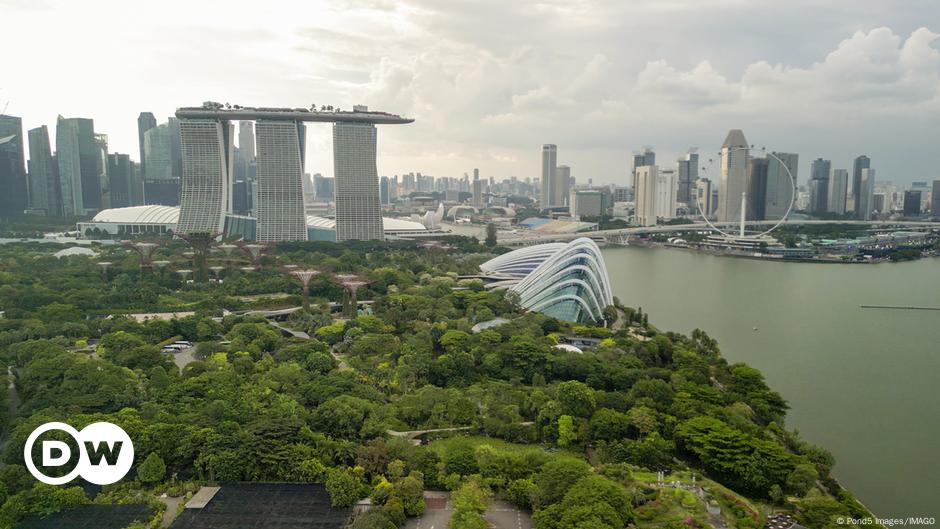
<point>838,191</point>
<point>246,140</point>
<point>642,159</point>
<point>562,185</point>
<point>121,180</point>
<point>733,176</point>
<point>358,212</point>
<point>819,186</point>
<point>101,166</point>
<point>912,203</point>
<point>935,199</point>
<point>477,197</point>
<point>858,193</point>
<point>161,185</point>
<point>176,150</point>
<point>549,167</point>
<point>757,188</point>
<point>864,195</point>
<point>384,193</point>
<point>77,155</point>
<point>13,186</point>
<point>280,159</point>
<point>645,195</point>
<point>780,189</point>
<point>687,167</point>
<point>145,122</point>
<point>703,197</point>
<point>43,174</point>
<point>208,145</point>
<point>665,194</point>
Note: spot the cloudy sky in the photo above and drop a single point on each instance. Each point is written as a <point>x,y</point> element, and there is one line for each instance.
<point>490,80</point>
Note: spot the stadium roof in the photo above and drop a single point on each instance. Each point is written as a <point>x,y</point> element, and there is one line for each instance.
<point>140,215</point>
<point>389,224</point>
<point>74,250</point>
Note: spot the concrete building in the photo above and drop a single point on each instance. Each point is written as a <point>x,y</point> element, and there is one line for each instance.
<point>733,176</point>
<point>858,192</point>
<point>645,195</point>
<point>562,185</point>
<point>588,203</point>
<point>549,167</point>
<point>121,180</point>
<point>43,174</point>
<point>838,191</point>
<point>665,194</point>
<point>687,168</point>
<point>819,186</point>
<point>358,212</point>
<point>280,161</point>
<point>912,203</point>
<point>78,165</point>
<point>14,194</point>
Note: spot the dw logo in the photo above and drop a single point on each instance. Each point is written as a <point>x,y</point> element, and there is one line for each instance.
<point>106,453</point>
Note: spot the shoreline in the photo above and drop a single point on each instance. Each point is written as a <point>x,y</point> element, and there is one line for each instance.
<point>761,257</point>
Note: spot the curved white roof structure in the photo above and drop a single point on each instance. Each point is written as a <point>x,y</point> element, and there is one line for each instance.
<point>139,215</point>
<point>567,281</point>
<point>389,224</point>
<point>74,250</point>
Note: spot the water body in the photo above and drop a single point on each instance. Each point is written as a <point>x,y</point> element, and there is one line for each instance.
<point>860,382</point>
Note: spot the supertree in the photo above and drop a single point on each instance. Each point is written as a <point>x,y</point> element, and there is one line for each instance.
<point>104,265</point>
<point>253,251</point>
<point>228,249</point>
<point>352,283</point>
<point>145,250</point>
<point>201,243</point>
<point>184,274</point>
<point>305,275</point>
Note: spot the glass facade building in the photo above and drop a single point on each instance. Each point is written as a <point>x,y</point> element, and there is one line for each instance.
<point>358,211</point>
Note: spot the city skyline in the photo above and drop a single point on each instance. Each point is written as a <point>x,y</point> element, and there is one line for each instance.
<point>485,98</point>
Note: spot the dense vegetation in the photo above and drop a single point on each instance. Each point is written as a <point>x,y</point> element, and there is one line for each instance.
<point>573,437</point>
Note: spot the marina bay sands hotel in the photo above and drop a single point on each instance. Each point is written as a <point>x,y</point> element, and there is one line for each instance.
<point>207,135</point>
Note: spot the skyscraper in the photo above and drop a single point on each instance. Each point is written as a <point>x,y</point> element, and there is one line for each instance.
<point>161,185</point>
<point>549,167</point>
<point>864,200</point>
<point>780,189</point>
<point>77,155</point>
<point>101,167</point>
<point>838,191</point>
<point>819,186</point>
<point>645,196</point>
<point>384,193</point>
<point>145,122</point>
<point>861,163</point>
<point>13,186</point>
<point>280,159</point>
<point>757,188</point>
<point>477,197</point>
<point>358,212</point>
<point>733,177</point>
<point>642,159</point>
<point>121,180</point>
<point>43,174</point>
<point>912,203</point>
<point>935,199</point>
<point>207,168</point>
<point>687,167</point>
<point>562,185</point>
<point>703,197</point>
<point>665,194</point>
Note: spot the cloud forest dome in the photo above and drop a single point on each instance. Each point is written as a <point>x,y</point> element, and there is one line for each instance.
<point>565,281</point>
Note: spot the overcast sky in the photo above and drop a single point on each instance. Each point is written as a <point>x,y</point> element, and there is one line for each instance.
<point>489,80</point>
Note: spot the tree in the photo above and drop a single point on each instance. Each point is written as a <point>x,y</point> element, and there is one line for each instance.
<point>567,434</point>
<point>576,398</point>
<point>802,479</point>
<point>470,501</point>
<point>152,470</point>
<point>345,487</point>
<point>490,240</point>
<point>557,477</point>
<point>410,492</point>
